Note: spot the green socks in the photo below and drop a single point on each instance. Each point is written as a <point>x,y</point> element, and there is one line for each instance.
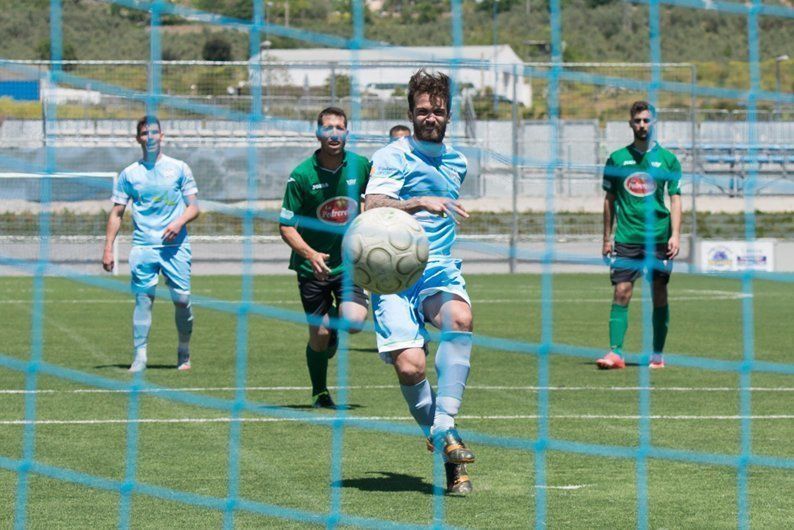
<point>618,323</point>
<point>317,361</point>
<point>661,320</point>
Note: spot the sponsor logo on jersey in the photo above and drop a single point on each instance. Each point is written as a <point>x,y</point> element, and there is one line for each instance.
<point>351,182</point>
<point>640,184</point>
<point>337,210</point>
<point>656,164</point>
<point>287,215</point>
<point>319,185</point>
<point>629,163</point>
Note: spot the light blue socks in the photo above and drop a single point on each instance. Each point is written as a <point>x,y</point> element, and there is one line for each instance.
<point>452,367</point>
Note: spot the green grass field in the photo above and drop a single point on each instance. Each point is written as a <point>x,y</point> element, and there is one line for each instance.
<point>387,475</point>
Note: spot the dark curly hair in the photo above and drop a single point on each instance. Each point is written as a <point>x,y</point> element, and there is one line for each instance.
<point>435,85</point>
<point>640,106</point>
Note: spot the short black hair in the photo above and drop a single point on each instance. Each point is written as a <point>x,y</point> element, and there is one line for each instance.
<point>435,85</point>
<point>398,128</point>
<point>331,111</point>
<point>641,106</point>
<point>145,122</point>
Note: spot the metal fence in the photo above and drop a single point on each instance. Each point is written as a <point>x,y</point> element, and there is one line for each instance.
<point>501,123</point>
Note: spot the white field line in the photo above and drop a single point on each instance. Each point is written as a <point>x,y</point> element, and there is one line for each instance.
<point>477,301</point>
<point>350,419</point>
<point>390,387</point>
<point>692,295</point>
<point>568,487</point>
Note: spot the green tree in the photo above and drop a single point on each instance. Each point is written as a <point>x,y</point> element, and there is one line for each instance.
<point>68,53</point>
<point>217,49</point>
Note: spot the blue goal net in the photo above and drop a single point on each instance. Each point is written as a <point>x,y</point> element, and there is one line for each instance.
<point>544,125</point>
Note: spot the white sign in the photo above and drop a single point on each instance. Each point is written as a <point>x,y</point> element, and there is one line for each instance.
<point>720,256</point>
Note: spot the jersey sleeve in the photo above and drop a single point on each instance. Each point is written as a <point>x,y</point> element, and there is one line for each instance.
<point>121,190</point>
<point>608,181</point>
<point>387,175</point>
<point>674,182</point>
<point>465,171</point>
<point>188,183</point>
<point>293,199</point>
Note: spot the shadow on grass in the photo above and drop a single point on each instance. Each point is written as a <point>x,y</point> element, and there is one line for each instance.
<point>126,366</point>
<point>387,481</point>
<point>349,406</point>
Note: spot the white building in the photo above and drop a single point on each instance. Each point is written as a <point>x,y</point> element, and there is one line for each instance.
<point>380,71</point>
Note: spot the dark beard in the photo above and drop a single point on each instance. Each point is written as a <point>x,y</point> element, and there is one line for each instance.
<point>426,136</point>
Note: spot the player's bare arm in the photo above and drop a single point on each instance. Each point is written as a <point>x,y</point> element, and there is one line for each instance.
<point>290,235</point>
<point>111,231</point>
<point>190,213</point>
<point>674,243</point>
<point>435,205</point>
<point>609,221</point>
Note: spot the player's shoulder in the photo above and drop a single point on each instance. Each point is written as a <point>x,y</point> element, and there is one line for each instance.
<point>303,171</point>
<point>454,156</point>
<point>355,158</point>
<point>169,161</point>
<point>620,154</point>
<point>131,170</point>
<point>394,151</point>
<point>667,154</point>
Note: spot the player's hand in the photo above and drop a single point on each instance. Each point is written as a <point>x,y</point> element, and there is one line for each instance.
<point>321,270</point>
<point>444,207</point>
<point>107,260</point>
<point>172,230</point>
<point>606,251</point>
<point>673,246</point>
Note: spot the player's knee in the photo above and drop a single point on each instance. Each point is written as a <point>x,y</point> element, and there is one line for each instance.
<point>355,315</point>
<point>460,321</point>
<point>144,299</point>
<point>623,293</point>
<point>180,299</point>
<point>410,367</point>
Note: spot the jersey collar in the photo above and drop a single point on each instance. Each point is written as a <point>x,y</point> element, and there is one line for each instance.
<point>653,147</point>
<point>318,167</point>
<point>431,149</point>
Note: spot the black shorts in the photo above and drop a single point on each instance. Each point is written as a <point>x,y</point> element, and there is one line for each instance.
<point>318,296</point>
<point>628,263</point>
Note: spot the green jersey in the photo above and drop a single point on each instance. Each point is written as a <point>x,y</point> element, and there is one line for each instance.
<point>315,197</point>
<point>638,180</point>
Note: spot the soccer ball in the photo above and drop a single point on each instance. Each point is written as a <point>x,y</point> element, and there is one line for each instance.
<point>388,250</point>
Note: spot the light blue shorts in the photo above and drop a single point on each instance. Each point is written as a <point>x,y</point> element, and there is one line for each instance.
<point>399,318</point>
<point>146,263</point>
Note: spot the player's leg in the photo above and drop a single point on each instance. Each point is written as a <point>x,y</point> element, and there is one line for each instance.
<point>352,305</point>
<point>176,265</point>
<point>144,270</point>
<point>317,299</point>
<point>446,305</point>
<point>452,314</point>
<point>661,310</point>
<point>401,342</point>
<point>625,268</point>
<point>409,365</point>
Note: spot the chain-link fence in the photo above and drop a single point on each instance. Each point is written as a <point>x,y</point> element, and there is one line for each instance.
<point>517,154</point>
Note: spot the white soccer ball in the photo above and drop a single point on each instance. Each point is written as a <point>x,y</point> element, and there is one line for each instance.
<point>388,250</point>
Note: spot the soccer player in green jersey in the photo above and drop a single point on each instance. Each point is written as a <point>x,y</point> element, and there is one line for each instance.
<point>635,178</point>
<point>324,191</point>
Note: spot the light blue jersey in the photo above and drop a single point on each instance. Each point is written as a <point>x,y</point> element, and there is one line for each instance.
<point>158,198</point>
<point>407,168</point>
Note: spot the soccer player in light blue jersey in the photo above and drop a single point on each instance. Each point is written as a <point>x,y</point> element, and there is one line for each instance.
<point>422,176</point>
<point>163,195</point>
